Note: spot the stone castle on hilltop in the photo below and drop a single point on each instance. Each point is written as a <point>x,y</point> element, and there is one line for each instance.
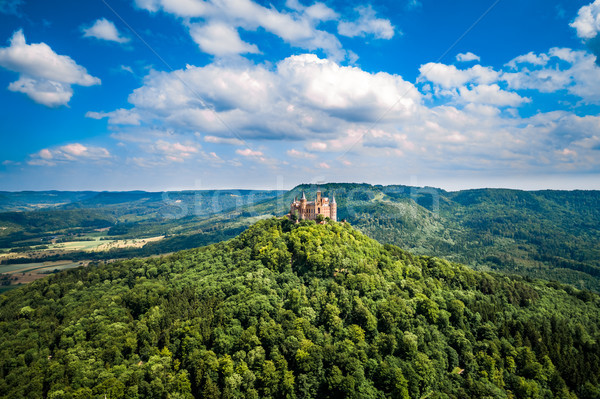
<point>304,209</point>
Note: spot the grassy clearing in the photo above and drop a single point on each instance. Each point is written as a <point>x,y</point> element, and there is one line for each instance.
<point>26,273</point>
<point>37,267</point>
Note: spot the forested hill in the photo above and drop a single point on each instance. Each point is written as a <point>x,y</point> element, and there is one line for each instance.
<point>297,311</point>
<point>549,234</point>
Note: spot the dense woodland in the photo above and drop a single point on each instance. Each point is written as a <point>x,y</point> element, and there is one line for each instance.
<point>297,311</point>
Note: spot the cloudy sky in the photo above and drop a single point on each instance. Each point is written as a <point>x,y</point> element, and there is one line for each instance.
<point>196,94</point>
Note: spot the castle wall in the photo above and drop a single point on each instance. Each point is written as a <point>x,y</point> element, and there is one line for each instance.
<point>308,210</point>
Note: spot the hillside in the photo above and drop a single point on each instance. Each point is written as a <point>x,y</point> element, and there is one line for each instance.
<point>553,235</point>
<point>297,311</point>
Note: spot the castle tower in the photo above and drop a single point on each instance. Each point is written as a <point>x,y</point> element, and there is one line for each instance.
<point>303,206</point>
<point>333,207</point>
<point>318,202</point>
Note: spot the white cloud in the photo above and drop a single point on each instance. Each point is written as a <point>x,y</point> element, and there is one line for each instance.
<point>558,69</point>
<point>68,153</point>
<point>44,76</point>
<point>220,39</point>
<point>320,12</point>
<point>529,58</point>
<point>298,28</point>
<point>467,57</point>
<point>181,8</point>
<point>117,117</point>
<point>126,68</point>
<point>565,69</point>
<point>300,154</point>
<point>249,153</point>
<point>346,92</point>
<point>174,152</point>
<point>223,140</point>
<point>491,95</point>
<point>324,107</point>
<point>46,92</point>
<point>367,24</point>
<point>302,96</point>
<point>587,22</point>
<point>104,29</point>
<point>449,76</point>
<point>317,146</point>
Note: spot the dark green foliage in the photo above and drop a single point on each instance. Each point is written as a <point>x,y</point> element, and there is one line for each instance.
<point>301,310</point>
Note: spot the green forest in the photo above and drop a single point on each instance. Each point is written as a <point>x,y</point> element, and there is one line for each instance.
<point>302,310</point>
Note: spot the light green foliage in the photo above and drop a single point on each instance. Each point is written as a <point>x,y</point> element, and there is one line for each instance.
<point>302,310</point>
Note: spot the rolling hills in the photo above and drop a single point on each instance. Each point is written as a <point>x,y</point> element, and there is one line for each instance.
<point>553,235</point>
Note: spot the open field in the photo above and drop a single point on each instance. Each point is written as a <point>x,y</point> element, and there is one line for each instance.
<point>132,243</point>
<point>14,275</point>
<point>96,245</point>
<point>76,245</point>
<point>39,267</point>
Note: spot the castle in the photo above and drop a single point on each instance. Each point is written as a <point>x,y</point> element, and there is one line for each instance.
<point>304,209</point>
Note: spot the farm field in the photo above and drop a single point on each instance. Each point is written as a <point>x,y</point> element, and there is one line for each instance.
<point>12,276</point>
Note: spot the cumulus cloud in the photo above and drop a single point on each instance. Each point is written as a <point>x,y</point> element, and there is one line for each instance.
<point>529,58</point>
<point>220,39</point>
<point>467,57</point>
<point>181,8</point>
<point>347,93</point>
<point>174,151</point>
<point>223,140</point>
<point>575,71</point>
<point>449,76</point>
<point>117,117</point>
<point>325,107</point>
<point>300,154</point>
<point>319,12</point>
<point>249,153</point>
<point>302,96</point>
<point>44,76</point>
<point>587,22</point>
<point>491,95</point>
<point>563,69</point>
<point>367,24</point>
<point>104,29</point>
<point>222,19</point>
<point>68,153</point>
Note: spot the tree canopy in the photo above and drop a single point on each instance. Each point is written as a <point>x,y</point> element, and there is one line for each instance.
<point>303,310</point>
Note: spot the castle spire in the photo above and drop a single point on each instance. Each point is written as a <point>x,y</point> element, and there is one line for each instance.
<point>333,199</point>
<point>303,196</point>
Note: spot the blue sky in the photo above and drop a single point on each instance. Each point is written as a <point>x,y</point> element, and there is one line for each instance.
<point>193,94</point>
